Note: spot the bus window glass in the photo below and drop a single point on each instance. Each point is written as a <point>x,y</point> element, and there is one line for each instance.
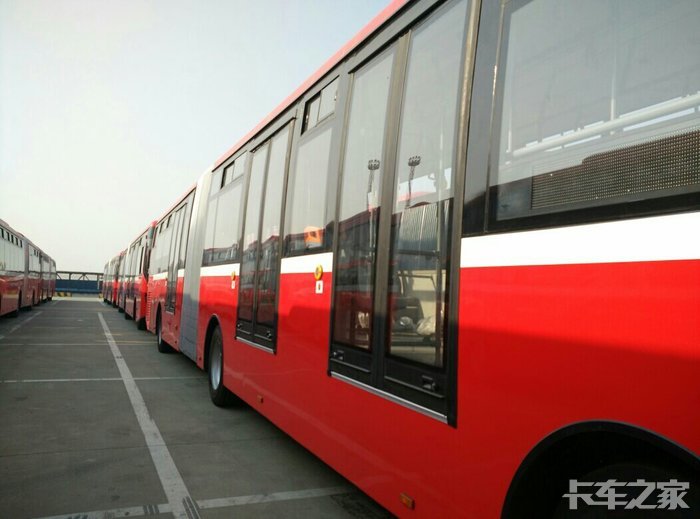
<point>311,112</point>
<point>599,103</point>
<point>239,165</point>
<point>209,230</point>
<point>423,189</point>
<point>268,262</point>
<point>306,198</point>
<point>359,203</point>
<point>251,234</point>
<point>328,97</point>
<point>227,223</point>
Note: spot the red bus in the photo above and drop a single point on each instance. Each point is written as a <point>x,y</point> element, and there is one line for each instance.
<point>460,263</point>
<point>48,277</point>
<point>106,287</point>
<point>27,274</point>
<point>167,273</point>
<point>118,283</point>
<point>135,278</point>
<point>12,270</point>
<point>111,281</point>
<point>33,279</point>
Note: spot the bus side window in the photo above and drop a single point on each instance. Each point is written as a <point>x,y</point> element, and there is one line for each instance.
<point>306,194</point>
<point>606,137</point>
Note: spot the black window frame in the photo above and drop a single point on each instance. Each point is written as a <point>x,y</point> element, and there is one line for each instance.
<point>374,372</point>
<point>479,212</point>
<point>250,331</point>
<point>217,189</point>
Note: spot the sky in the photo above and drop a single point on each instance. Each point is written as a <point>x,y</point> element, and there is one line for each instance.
<point>111,110</point>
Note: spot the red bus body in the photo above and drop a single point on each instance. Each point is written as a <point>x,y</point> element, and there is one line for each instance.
<point>27,274</point>
<point>117,285</point>
<point>166,276</point>
<point>568,344</point>
<point>136,277</point>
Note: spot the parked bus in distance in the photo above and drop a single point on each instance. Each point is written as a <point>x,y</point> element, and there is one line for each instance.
<point>460,263</point>
<point>12,273</point>
<point>107,276</point>
<point>135,278</point>
<point>25,272</point>
<point>117,289</point>
<point>110,283</point>
<point>166,274</point>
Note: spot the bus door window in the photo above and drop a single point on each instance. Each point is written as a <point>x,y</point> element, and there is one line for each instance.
<point>392,262</point>
<point>172,264</point>
<point>261,245</point>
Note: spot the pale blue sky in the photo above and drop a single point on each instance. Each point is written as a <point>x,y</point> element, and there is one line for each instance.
<point>110,110</point>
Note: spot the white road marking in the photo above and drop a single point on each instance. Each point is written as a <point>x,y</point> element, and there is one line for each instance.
<point>134,511</point>
<point>105,379</point>
<point>175,489</point>
<point>140,511</point>
<point>18,325</point>
<point>274,496</point>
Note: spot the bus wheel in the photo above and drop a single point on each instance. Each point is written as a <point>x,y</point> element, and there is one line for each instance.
<point>126,314</point>
<point>15,312</point>
<point>220,396</point>
<point>163,346</point>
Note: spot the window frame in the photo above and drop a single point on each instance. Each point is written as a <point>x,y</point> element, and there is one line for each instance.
<point>246,331</point>
<point>374,376</point>
<point>479,212</point>
<point>335,121</point>
<point>214,194</point>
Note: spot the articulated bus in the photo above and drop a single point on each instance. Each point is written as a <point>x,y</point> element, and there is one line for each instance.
<point>135,278</point>
<point>27,274</point>
<point>461,263</point>
<point>111,284</point>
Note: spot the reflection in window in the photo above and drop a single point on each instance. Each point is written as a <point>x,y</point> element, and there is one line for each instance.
<point>252,233</point>
<point>223,226</point>
<point>268,263</point>
<point>320,106</point>
<point>359,204</point>
<point>306,201</point>
<point>424,189</point>
<point>601,100</point>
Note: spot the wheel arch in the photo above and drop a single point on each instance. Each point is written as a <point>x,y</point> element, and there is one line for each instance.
<point>579,448</point>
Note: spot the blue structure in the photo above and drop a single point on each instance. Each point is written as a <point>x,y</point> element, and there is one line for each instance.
<point>78,282</point>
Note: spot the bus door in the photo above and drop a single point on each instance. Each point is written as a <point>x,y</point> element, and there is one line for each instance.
<point>171,288</point>
<point>391,292</point>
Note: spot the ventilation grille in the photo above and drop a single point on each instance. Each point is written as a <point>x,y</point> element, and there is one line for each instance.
<point>668,163</point>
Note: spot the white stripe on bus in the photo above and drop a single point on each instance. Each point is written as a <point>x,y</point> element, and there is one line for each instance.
<point>220,270</point>
<point>307,264</point>
<point>660,238</point>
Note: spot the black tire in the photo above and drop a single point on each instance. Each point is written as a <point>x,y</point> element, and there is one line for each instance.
<point>15,312</point>
<point>219,395</point>
<point>163,346</point>
<point>141,324</point>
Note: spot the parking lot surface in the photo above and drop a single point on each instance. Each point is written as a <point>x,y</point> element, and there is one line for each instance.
<point>97,424</point>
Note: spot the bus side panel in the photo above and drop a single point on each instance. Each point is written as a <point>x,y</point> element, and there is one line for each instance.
<point>345,426</point>
<point>217,299</point>
<point>538,351</point>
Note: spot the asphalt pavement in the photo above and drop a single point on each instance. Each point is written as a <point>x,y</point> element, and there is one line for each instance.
<point>97,424</point>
